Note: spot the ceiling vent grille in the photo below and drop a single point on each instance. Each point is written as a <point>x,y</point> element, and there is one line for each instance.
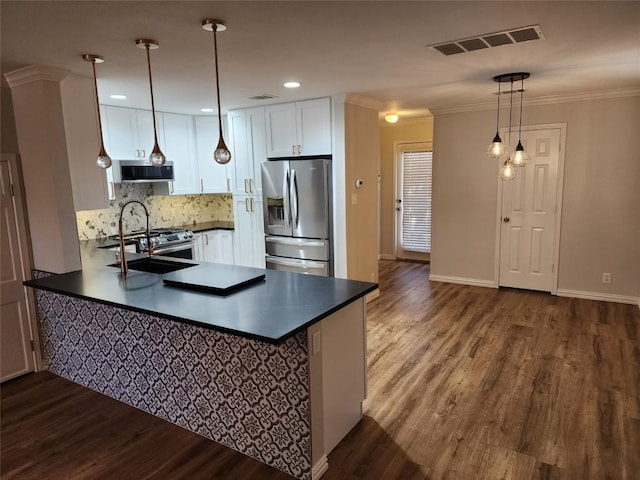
<point>489,40</point>
<point>264,96</point>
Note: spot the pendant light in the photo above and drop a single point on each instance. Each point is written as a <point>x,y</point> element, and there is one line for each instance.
<point>222,154</point>
<point>508,172</point>
<point>103,160</point>
<point>520,157</point>
<point>156,158</point>
<point>496,149</point>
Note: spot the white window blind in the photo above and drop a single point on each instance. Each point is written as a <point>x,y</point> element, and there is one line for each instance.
<point>416,201</point>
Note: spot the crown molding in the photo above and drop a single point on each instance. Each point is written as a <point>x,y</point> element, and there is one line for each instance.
<point>360,100</point>
<point>546,100</point>
<point>34,73</point>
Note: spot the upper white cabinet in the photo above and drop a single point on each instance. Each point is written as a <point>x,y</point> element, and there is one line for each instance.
<point>180,149</point>
<point>248,148</point>
<point>130,132</point>
<point>213,176</point>
<point>300,128</point>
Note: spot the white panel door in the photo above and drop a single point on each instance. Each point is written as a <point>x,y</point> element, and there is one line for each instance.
<point>16,356</point>
<point>529,205</point>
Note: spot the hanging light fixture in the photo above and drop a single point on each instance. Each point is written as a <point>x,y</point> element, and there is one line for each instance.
<point>508,172</point>
<point>520,157</point>
<point>222,154</point>
<point>496,149</point>
<point>156,158</point>
<point>103,160</point>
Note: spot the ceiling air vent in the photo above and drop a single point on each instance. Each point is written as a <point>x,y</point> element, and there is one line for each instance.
<point>489,40</point>
<point>264,96</point>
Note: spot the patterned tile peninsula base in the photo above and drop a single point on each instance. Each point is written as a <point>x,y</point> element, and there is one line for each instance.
<point>248,395</point>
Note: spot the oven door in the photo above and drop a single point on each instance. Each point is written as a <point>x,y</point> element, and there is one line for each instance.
<point>181,250</point>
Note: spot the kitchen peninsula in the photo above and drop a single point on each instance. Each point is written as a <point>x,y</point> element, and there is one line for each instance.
<point>276,370</point>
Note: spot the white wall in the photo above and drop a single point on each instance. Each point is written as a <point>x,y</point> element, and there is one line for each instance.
<point>600,229</point>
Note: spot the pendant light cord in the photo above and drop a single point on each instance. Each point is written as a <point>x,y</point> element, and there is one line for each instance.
<point>498,115</point>
<point>510,109</point>
<point>153,107</point>
<point>95,86</point>
<point>521,94</point>
<point>215,57</point>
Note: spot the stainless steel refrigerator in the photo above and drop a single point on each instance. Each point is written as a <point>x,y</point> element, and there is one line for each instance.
<point>297,215</point>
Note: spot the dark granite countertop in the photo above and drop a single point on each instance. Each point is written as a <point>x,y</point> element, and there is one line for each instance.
<point>206,226</point>
<point>271,311</point>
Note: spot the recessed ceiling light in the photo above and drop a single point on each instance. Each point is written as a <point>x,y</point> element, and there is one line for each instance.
<point>206,110</point>
<point>292,84</point>
<point>117,96</point>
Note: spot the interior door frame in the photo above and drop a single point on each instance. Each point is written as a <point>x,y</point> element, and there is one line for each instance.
<point>396,164</point>
<point>559,189</point>
<point>25,253</point>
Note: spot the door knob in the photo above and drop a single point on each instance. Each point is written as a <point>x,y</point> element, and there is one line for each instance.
<point>506,219</point>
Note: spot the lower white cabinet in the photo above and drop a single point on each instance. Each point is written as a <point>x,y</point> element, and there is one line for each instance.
<point>215,246</point>
<point>248,235</point>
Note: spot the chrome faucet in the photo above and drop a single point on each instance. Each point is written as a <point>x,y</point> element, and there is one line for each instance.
<point>123,256</point>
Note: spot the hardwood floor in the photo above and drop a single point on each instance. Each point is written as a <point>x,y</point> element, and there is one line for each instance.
<point>464,383</point>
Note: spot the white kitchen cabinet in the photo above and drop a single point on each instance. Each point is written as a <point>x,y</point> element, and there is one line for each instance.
<point>247,137</point>
<point>214,178</point>
<point>214,246</point>
<point>180,149</point>
<point>300,128</point>
<point>248,234</point>
<point>130,132</point>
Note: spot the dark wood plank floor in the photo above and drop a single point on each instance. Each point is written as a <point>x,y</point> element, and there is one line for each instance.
<point>464,383</point>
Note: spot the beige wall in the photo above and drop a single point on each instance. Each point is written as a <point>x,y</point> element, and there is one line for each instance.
<point>362,155</point>
<point>600,229</point>
<point>8,126</point>
<point>415,130</point>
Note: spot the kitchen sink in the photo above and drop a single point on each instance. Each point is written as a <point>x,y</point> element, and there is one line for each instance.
<point>154,265</point>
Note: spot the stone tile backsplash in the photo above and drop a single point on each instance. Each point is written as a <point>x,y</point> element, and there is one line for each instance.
<point>164,211</point>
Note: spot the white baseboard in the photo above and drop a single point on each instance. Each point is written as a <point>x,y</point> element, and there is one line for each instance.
<point>319,468</point>
<point>462,280</point>
<point>603,297</point>
<point>386,256</point>
<point>372,295</point>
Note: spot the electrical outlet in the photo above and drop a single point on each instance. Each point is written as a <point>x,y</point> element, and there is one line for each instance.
<point>606,278</point>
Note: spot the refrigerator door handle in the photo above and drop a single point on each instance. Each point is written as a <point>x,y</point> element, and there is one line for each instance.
<point>304,264</point>
<point>294,199</point>
<point>285,196</point>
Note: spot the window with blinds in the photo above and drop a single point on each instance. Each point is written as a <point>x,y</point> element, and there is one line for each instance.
<point>416,201</point>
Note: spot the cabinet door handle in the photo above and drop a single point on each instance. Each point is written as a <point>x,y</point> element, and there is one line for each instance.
<point>143,154</point>
<point>206,239</point>
<point>299,149</point>
<point>252,205</point>
<point>293,149</point>
<point>246,204</point>
<point>228,184</point>
<point>201,185</point>
<point>246,186</point>
<point>251,184</point>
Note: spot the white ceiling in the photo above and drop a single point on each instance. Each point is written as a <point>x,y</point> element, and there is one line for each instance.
<point>372,48</point>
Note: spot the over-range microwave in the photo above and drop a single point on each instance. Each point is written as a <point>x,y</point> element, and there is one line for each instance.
<point>141,171</point>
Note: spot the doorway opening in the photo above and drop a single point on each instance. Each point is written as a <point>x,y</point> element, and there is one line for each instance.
<point>413,171</point>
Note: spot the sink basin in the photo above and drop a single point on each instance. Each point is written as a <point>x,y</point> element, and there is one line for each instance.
<point>154,265</point>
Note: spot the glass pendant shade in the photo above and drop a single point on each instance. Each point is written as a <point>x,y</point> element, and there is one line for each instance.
<point>222,154</point>
<point>496,149</point>
<point>156,157</point>
<point>103,160</point>
<point>508,171</point>
<point>520,157</point>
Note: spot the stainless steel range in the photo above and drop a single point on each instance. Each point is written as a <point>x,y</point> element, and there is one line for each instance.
<point>164,241</point>
<point>169,242</point>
